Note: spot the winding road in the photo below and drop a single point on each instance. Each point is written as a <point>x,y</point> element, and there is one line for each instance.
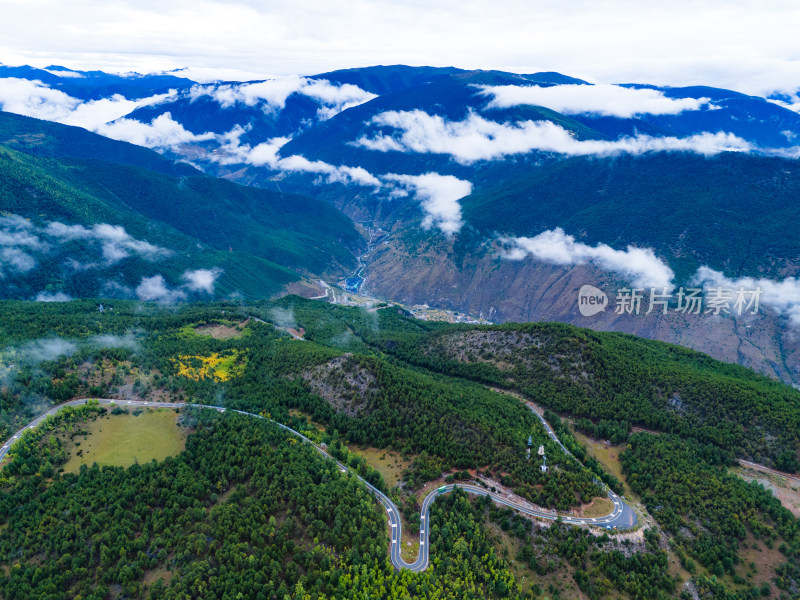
<point>622,517</point>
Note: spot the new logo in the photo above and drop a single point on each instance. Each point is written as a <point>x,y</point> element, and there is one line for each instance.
<point>591,300</point>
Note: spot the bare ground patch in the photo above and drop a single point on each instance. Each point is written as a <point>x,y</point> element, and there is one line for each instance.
<point>343,383</point>
<point>219,331</point>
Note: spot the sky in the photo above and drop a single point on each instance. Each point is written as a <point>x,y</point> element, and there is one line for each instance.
<point>739,44</point>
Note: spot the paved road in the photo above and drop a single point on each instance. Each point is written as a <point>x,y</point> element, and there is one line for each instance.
<point>621,517</point>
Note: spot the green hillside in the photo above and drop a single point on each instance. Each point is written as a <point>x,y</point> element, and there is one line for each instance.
<point>691,210</point>
<point>410,389</point>
<point>262,240</point>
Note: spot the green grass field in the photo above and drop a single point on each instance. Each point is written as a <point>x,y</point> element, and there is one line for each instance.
<point>122,440</point>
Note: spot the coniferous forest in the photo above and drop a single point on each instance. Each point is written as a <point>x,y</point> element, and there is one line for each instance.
<point>245,511</point>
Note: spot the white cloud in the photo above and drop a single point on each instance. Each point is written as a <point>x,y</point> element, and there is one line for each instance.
<point>232,151</point>
<point>333,173</point>
<point>781,296</point>
<point>742,45</point>
<point>274,93</point>
<point>201,280</point>
<point>114,341</point>
<point>602,99</point>
<point>438,195</point>
<point>792,104</point>
<point>155,289</point>
<point>17,240</point>
<point>52,297</point>
<point>33,98</point>
<point>65,74</point>
<point>115,242</point>
<point>17,259</point>
<point>46,349</point>
<point>94,114</point>
<point>476,138</point>
<point>638,265</point>
<point>163,132</point>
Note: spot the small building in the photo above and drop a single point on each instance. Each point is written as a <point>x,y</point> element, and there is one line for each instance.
<point>530,440</point>
<point>541,450</point>
<point>544,465</point>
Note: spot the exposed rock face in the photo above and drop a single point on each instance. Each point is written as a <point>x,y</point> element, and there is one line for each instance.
<point>481,282</point>
<point>343,383</point>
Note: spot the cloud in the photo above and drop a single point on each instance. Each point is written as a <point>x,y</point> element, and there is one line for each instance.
<point>115,242</point>
<point>638,265</point>
<point>45,350</point>
<point>333,173</point>
<point>266,154</point>
<point>790,101</point>
<point>438,195</point>
<point>17,240</point>
<point>155,289</point>
<point>33,98</point>
<point>94,114</point>
<point>65,73</point>
<point>601,99</point>
<point>283,317</point>
<point>201,280</point>
<point>476,138</point>
<point>273,93</point>
<point>127,341</point>
<point>52,297</point>
<point>781,296</point>
<point>163,132</point>
<point>16,259</point>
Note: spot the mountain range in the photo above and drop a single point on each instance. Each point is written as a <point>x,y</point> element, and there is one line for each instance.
<point>488,193</point>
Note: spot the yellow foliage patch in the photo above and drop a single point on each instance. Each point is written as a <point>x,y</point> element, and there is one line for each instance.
<point>219,367</point>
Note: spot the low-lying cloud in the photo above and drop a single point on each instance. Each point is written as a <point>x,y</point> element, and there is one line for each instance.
<point>33,98</point>
<point>475,138</point>
<point>273,93</point>
<point>115,242</point>
<point>266,154</point>
<point>640,266</point>
<point>438,196</point>
<point>18,241</point>
<point>781,296</point>
<point>201,280</point>
<point>52,297</point>
<point>156,289</point>
<point>601,99</point>
<point>163,132</point>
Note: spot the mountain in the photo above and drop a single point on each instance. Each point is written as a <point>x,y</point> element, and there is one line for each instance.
<point>502,194</point>
<point>413,409</point>
<point>95,225</point>
<point>96,85</point>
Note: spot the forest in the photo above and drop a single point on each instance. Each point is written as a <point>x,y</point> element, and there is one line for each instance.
<point>245,510</point>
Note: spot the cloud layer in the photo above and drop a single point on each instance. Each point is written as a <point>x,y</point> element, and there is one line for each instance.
<point>438,196</point>
<point>115,242</point>
<point>273,93</point>
<point>640,266</point>
<point>603,99</point>
<point>476,138</point>
<point>781,296</point>
<point>156,289</point>
<point>33,98</point>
